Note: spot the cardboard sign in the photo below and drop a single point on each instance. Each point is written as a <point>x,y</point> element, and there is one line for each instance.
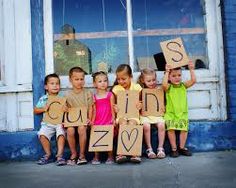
<point>174,53</point>
<point>75,117</point>
<point>127,102</point>
<point>153,102</point>
<point>130,140</point>
<point>101,138</point>
<point>54,115</point>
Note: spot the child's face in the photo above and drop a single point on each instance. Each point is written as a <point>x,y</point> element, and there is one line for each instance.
<point>101,82</point>
<point>52,86</point>
<point>77,80</point>
<point>123,79</point>
<point>150,80</point>
<point>175,76</point>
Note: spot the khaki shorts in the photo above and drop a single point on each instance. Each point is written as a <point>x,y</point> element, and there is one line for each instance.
<point>49,130</point>
<point>151,119</point>
<point>128,119</point>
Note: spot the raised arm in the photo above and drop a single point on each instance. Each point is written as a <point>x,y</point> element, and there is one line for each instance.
<point>165,83</point>
<point>192,80</point>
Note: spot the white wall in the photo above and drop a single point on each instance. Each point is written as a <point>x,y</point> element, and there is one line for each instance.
<point>16,85</point>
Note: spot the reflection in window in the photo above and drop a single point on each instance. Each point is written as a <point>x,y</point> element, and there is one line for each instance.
<point>100,37</point>
<point>155,21</point>
<point>100,26</point>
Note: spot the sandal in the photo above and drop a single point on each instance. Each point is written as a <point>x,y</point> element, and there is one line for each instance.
<point>161,153</point>
<point>174,153</point>
<point>109,161</point>
<point>61,161</point>
<point>82,161</point>
<point>44,160</point>
<point>71,162</point>
<point>96,162</point>
<point>135,159</point>
<point>150,154</point>
<point>184,151</point>
<point>121,159</point>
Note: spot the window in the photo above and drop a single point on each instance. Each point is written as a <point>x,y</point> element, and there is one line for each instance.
<point>89,33</point>
<point>108,33</point>
<point>94,33</point>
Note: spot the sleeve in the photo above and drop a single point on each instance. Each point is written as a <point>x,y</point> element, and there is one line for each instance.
<point>42,102</point>
<point>114,90</point>
<point>138,87</point>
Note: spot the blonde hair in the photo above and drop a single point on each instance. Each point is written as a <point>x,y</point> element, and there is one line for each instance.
<point>146,71</point>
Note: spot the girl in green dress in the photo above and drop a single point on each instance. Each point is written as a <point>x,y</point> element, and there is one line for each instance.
<point>176,115</point>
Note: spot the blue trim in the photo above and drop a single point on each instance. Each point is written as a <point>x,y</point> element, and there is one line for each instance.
<point>38,56</point>
<point>229,34</point>
<point>203,136</point>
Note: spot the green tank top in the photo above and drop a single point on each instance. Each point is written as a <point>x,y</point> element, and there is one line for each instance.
<point>176,115</point>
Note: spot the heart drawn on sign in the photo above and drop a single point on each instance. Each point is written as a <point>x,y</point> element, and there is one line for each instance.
<point>128,139</point>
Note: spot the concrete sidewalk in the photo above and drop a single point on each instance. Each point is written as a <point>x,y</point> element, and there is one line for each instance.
<point>209,169</point>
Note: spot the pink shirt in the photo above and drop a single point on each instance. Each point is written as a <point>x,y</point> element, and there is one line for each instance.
<point>103,110</point>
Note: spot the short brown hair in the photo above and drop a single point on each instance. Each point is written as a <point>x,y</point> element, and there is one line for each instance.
<point>76,69</point>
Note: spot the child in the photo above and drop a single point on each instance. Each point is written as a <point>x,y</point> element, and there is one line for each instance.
<point>52,87</point>
<point>78,97</point>
<point>123,83</point>
<point>103,113</point>
<point>147,79</point>
<point>176,115</point>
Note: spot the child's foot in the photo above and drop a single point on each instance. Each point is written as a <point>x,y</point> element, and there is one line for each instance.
<point>109,161</point>
<point>174,153</point>
<point>71,161</point>
<point>185,152</point>
<point>60,161</point>
<point>44,160</point>
<point>121,159</point>
<point>135,159</point>
<point>96,162</point>
<point>161,153</point>
<point>150,154</point>
<point>81,161</point>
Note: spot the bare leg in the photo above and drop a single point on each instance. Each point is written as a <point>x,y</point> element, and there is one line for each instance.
<point>96,156</point>
<point>161,134</point>
<point>182,139</point>
<point>110,155</point>
<point>60,146</point>
<point>46,145</point>
<point>72,142</point>
<point>147,134</point>
<point>82,140</point>
<point>172,139</point>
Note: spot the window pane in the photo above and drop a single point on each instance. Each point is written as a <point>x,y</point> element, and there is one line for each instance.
<point>99,37</point>
<point>157,20</point>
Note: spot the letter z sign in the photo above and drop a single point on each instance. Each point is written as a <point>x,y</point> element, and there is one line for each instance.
<point>101,138</point>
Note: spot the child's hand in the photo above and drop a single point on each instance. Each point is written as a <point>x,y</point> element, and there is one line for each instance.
<point>116,109</point>
<point>190,65</point>
<point>89,122</point>
<point>139,105</point>
<point>65,108</point>
<point>168,67</point>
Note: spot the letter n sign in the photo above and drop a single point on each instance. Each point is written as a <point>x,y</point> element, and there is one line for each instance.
<point>101,138</point>
<point>153,102</point>
<point>174,53</point>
